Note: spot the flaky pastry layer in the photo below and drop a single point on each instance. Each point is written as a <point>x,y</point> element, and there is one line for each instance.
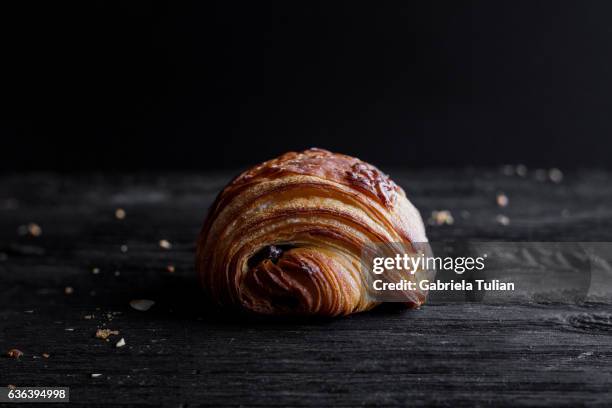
<point>287,236</point>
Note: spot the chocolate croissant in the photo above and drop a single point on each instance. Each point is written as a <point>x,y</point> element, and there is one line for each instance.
<point>287,236</point>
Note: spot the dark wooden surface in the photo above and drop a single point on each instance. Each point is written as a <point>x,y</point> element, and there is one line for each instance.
<point>182,353</point>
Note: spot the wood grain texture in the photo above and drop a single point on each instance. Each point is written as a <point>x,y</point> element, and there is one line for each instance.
<point>182,353</point>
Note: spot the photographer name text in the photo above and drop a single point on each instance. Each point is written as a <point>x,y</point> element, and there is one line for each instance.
<point>437,285</point>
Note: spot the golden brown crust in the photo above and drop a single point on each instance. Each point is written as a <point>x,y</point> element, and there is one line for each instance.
<point>311,213</point>
<point>324,164</point>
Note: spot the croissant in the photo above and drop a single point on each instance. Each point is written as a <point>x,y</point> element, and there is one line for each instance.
<point>286,237</point>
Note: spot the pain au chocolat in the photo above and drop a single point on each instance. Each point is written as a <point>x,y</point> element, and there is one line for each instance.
<point>287,236</point>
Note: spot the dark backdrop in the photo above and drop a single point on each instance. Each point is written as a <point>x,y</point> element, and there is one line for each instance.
<point>136,85</point>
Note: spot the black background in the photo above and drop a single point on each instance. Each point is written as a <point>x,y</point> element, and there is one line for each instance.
<point>137,85</point>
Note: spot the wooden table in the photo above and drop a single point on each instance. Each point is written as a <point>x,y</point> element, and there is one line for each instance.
<point>181,353</point>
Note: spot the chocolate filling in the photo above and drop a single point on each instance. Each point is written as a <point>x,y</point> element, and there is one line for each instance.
<point>271,252</point>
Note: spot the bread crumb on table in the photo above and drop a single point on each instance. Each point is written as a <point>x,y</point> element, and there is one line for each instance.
<point>502,220</point>
<point>441,217</point>
<point>106,333</point>
<point>142,305</point>
<point>502,200</point>
<point>32,229</point>
<point>14,353</point>
<point>120,213</point>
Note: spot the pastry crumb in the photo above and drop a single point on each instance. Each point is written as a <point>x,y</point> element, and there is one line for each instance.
<point>106,333</point>
<point>32,229</point>
<point>120,343</point>
<point>502,220</point>
<point>442,217</point>
<point>120,214</point>
<point>165,244</point>
<point>142,305</point>
<point>502,200</point>
<point>14,353</point>
<point>170,269</point>
<point>555,175</point>
<point>68,290</point>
